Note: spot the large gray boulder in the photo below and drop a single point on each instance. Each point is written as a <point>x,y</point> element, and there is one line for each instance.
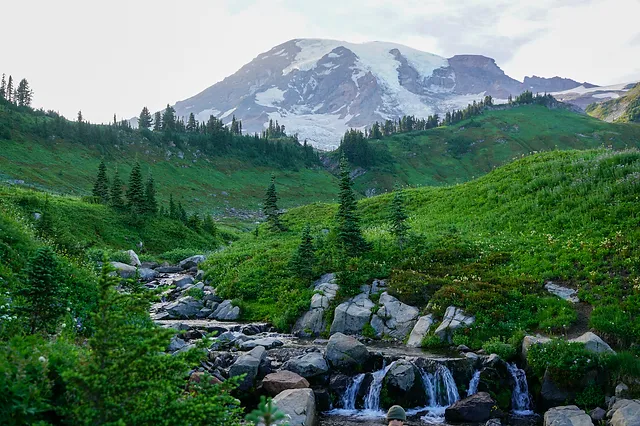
<point>266,342</point>
<point>147,274</point>
<point>225,311</point>
<point>309,365</point>
<point>184,308</point>
<point>401,375</point>
<point>566,293</point>
<point>133,258</point>
<point>299,405</point>
<point>394,318</point>
<point>182,281</point>
<point>345,352</point>
<point>454,319</point>
<point>473,409</point>
<point>569,415</point>
<point>312,323</point>
<point>351,316</point>
<point>192,261</point>
<point>419,331</point>
<point>593,343</point>
<point>248,364</point>
<point>275,383</point>
<point>625,412</point>
<point>552,395</point>
<point>123,270</point>
<point>176,344</point>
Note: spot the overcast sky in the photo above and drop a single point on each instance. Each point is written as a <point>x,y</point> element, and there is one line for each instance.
<point>117,56</point>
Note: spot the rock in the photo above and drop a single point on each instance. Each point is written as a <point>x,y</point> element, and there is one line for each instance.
<point>226,312</point>
<point>454,319</point>
<point>185,307</point>
<point>299,405</point>
<point>473,409</point>
<point>323,400</point>
<point>182,281</point>
<point>309,365</point>
<point>312,323</point>
<point>404,383</point>
<point>346,352</point>
<point>472,356</point>
<point>565,293</point>
<point>624,412</point>
<point>622,391</point>
<point>275,383</point>
<point>569,415</point>
<point>351,316</point>
<point>593,343</point>
<point>552,395</point>
<point>419,331</point>
<point>147,274</point>
<point>133,258</point>
<point>123,270</point>
<point>37,216</point>
<point>267,343</point>
<point>197,377</point>
<point>597,414</point>
<point>248,364</point>
<point>204,313</point>
<point>463,348</point>
<point>168,269</point>
<point>176,344</point>
<point>192,261</point>
<point>394,318</point>
<point>529,341</point>
<point>199,275</point>
<point>401,375</point>
<point>493,422</point>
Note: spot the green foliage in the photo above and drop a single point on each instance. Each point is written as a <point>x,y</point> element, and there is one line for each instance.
<point>266,414</point>
<point>398,218</point>
<point>136,201</point>
<point>101,185</point>
<point>350,239</point>
<point>115,195</point>
<point>303,259</point>
<point>196,293</point>
<point>623,367</point>
<point>431,341</point>
<point>369,331</point>
<point>151,204</point>
<point>616,322</point>
<point>270,209</point>
<point>566,362</point>
<point>504,350</point>
<point>176,255</point>
<point>590,397</point>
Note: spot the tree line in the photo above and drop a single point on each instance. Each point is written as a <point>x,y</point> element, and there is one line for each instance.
<point>20,95</point>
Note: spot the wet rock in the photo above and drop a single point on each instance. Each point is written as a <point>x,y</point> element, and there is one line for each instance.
<point>394,318</point>
<point>454,319</point>
<point>345,352</point>
<point>493,422</point>
<point>299,405</point>
<point>133,258</point>
<point>351,316</point>
<point>569,415</point>
<point>248,364</point>
<point>404,383</point>
<point>309,365</point>
<point>275,383</point>
<point>419,331</point>
<point>552,395</point>
<point>123,270</point>
<point>267,343</point>
<point>183,281</point>
<point>593,343</point>
<point>474,409</point>
<point>192,261</point>
<point>226,312</point>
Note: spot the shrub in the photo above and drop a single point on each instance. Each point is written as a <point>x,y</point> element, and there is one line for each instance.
<point>413,288</point>
<point>566,362</point>
<point>369,331</point>
<point>614,322</point>
<point>196,293</point>
<point>590,398</point>
<point>555,314</point>
<point>431,341</point>
<point>504,350</point>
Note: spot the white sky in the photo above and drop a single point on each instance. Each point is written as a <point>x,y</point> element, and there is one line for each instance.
<point>118,56</point>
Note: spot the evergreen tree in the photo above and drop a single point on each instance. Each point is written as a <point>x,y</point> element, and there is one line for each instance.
<point>144,121</point>
<point>349,236</point>
<point>80,118</point>
<point>182,213</point>
<point>303,260</point>
<point>173,210</point>
<point>266,414</point>
<point>101,185</point>
<point>169,119</point>
<point>151,205</point>
<point>116,191</point>
<point>398,218</point>
<point>9,94</point>
<point>209,225</point>
<point>194,222</point>
<point>3,88</point>
<point>157,122</point>
<point>270,209</point>
<point>24,94</point>
<point>135,191</point>
<point>126,377</point>
<point>44,292</point>
<point>192,124</point>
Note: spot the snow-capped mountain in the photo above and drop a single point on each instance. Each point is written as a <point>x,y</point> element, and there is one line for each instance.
<point>320,88</point>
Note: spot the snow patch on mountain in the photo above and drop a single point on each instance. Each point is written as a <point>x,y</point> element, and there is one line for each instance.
<point>270,97</point>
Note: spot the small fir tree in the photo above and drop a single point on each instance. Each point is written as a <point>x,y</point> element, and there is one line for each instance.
<point>270,209</point>
<point>173,209</point>
<point>182,213</point>
<point>194,222</point>
<point>151,205</point>
<point>192,124</point>
<point>144,120</point>
<point>157,122</point>
<point>209,225</point>
<point>101,185</point>
<point>398,218</point>
<point>3,87</point>
<point>9,90</point>
<point>303,260</point>
<point>135,191</point>
<point>115,195</point>
<point>349,235</point>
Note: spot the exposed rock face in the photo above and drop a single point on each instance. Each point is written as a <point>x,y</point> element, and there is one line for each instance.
<point>552,395</point>
<point>124,270</point>
<point>183,281</point>
<point>476,408</point>
<point>454,319</point>
<point>299,405</point>
<point>312,323</point>
<point>351,316</point>
<point>419,331</point>
<point>567,416</point>
<point>226,312</point>
<point>185,307</point>
<point>309,365</point>
<point>593,343</point>
<point>345,352</point>
<point>133,258</point>
<point>192,261</point>
<point>275,383</point>
<point>248,364</point>
<point>622,391</point>
<point>394,318</point>
<point>565,293</point>
<point>625,412</point>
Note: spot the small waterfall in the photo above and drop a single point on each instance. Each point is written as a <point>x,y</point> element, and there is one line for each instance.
<point>446,389</point>
<point>473,384</point>
<point>350,394</point>
<point>429,388</point>
<point>520,399</point>
<point>372,401</point>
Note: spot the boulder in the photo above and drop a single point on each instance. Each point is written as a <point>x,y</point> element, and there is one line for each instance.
<point>593,343</point>
<point>493,422</point>
<point>454,319</point>
<point>267,343</point>
<point>176,344</point>
<point>401,375</point>
<point>182,281</point>
<point>124,270</point>
<point>403,381</point>
<point>169,269</point>
<point>312,323</point>
<point>351,316</point>
<point>275,383</point>
<point>147,274</point>
<point>345,352</point>
<point>192,261</point>
<point>473,409</point>
<point>133,258</point>
<point>552,395</point>
<point>299,405</point>
<point>597,414</point>
<point>419,331</point>
<point>622,391</point>
<point>225,311</point>
<point>569,415</point>
<point>248,364</point>
<point>568,294</point>
<point>185,307</point>
<point>394,318</point>
<point>625,412</point>
<point>309,365</point>
<point>529,341</point>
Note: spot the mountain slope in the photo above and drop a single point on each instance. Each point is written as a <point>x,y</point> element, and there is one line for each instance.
<point>320,88</point>
<point>625,108</point>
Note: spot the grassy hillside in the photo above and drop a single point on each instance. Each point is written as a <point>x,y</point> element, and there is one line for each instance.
<point>487,245</point>
<point>622,110</point>
<point>472,148</point>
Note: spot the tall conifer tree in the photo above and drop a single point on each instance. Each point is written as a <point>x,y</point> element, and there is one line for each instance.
<point>157,122</point>
<point>192,124</point>
<point>209,225</point>
<point>349,236</point>
<point>135,191</point>
<point>173,209</point>
<point>398,218</point>
<point>101,185</point>
<point>150,196</point>
<point>144,120</point>
<point>270,209</point>
<point>115,195</point>
<point>9,90</point>
<point>3,87</point>
<point>303,260</point>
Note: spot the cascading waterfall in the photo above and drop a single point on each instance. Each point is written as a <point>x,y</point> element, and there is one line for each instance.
<point>372,401</point>
<point>446,389</point>
<point>473,384</point>
<point>350,394</point>
<point>520,398</point>
<point>429,388</point>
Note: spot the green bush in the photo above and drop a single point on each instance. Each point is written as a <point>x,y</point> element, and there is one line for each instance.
<point>431,341</point>
<point>567,362</point>
<point>590,397</point>
<point>369,331</point>
<point>176,255</point>
<point>504,350</point>
<point>196,293</point>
